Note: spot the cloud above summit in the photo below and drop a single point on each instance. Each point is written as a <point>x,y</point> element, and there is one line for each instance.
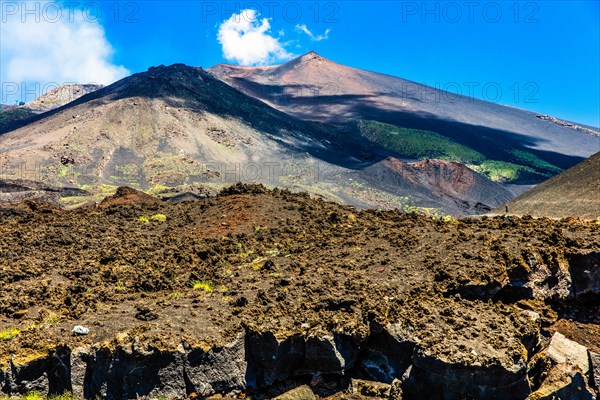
<point>246,39</point>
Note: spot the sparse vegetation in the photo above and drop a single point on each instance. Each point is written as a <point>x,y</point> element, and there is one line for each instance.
<point>421,144</point>
<point>222,289</point>
<point>120,286</point>
<point>500,171</point>
<point>158,189</point>
<point>143,219</point>
<point>8,333</point>
<point>33,396</point>
<point>207,286</point>
<point>13,115</point>
<point>159,218</point>
<point>37,396</point>
<point>535,162</point>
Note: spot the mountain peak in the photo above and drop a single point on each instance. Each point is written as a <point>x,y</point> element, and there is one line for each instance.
<point>308,61</point>
<point>310,56</point>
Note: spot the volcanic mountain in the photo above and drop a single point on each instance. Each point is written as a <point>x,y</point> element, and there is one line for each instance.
<point>416,121</point>
<point>574,193</point>
<point>179,126</point>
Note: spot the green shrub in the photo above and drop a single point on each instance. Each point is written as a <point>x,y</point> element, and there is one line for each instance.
<point>33,396</point>
<point>9,333</point>
<point>159,217</point>
<point>207,286</point>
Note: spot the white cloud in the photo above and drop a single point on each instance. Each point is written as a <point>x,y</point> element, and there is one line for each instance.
<point>247,40</point>
<point>47,52</point>
<point>316,38</point>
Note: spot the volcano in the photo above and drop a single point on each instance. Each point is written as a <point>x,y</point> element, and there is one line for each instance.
<point>534,147</point>
<point>179,127</point>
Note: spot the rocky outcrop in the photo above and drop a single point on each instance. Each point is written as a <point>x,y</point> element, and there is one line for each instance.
<point>435,378</point>
<point>564,381</point>
<point>400,363</point>
<point>564,351</point>
<point>275,360</point>
<point>562,371</point>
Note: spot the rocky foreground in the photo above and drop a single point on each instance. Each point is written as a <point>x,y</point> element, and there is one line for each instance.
<point>268,293</point>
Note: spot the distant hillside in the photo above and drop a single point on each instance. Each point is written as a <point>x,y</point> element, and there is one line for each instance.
<point>437,184</point>
<point>574,193</point>
<point>13,117</point>
<point>60,96</point>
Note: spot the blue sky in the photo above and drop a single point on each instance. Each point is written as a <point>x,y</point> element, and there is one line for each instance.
<point>538,55</point>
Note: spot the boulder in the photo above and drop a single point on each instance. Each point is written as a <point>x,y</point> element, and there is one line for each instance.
<point>59,371</point>
<point>565,351</point>
<point>370,388</point>
<point>594,370</point>
<point>300,393</point>
<point>563,382</point>
<point>330,354</point>
<point>28,376</point>
<point>127,373</point>
<point>78,363</point>
<point>275,360</point>
<point>388,353</point>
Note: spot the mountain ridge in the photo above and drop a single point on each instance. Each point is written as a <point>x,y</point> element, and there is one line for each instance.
<point>339,94</point>
<point>176,120</point>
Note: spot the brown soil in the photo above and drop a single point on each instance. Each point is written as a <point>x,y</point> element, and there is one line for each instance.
<point>277,262</point>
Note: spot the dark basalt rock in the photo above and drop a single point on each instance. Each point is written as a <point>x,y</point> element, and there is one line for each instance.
<point>29,377</point>
<point>392,355</point>
<point>388,353</point>
<point>218,369</point>
<point>585,273</point>
<point>434,378</point>
<point>274,360</point>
